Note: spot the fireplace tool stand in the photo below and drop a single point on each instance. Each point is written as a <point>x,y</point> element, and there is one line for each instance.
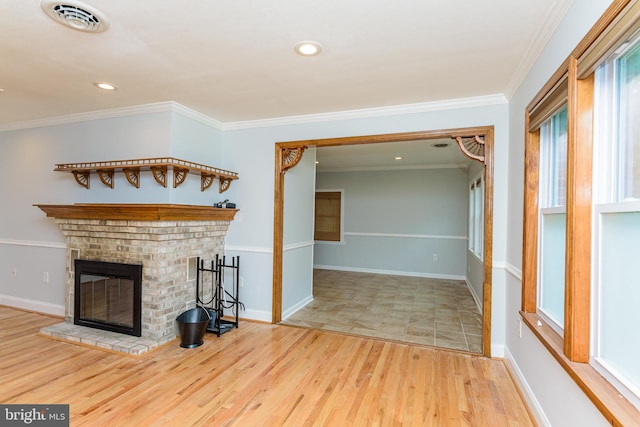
<point>219,299</point>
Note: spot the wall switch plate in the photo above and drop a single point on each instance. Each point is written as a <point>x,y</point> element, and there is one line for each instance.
<point>45,277</point>
<point>435,257</point>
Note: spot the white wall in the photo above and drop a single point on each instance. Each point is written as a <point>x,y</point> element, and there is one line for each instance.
<point>297,257</point>
<point>395,221</point>
<point>553,395</point>
<point>32,244</point>
<point>250,152</point>
<point>475,266</point>
<point>246,150</point>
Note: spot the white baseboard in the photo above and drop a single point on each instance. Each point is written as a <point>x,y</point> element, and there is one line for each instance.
<point>497,351</point>
<point>288,313</point>
<point>473,294</point>
<point>31,305</point>
<point>391,272</point>
<point>258,315</point>
<point>527,393</point>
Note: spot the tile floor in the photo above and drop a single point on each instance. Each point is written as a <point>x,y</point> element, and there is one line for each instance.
<point>435,312</point>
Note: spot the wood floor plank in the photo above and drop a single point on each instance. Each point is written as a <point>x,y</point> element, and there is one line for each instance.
<point>259,374</point>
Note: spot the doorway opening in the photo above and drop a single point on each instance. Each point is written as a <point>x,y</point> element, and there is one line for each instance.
<point>476,143</point>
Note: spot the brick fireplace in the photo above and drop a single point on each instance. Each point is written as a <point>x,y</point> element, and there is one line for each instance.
<point>161,238</point>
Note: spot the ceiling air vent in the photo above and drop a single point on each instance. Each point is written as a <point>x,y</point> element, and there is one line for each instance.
<point>76,15</point>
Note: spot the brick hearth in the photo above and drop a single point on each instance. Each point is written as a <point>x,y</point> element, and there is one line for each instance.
<point>163,247</point>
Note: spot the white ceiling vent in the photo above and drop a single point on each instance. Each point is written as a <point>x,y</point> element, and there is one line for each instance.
<point>75,15</point>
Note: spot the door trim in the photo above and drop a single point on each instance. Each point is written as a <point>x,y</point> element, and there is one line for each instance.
<point>288,154</point>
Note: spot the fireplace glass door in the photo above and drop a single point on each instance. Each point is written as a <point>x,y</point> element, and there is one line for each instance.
<point>107,296</point>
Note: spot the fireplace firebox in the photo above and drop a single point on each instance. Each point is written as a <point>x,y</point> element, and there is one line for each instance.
<point>108,296</point>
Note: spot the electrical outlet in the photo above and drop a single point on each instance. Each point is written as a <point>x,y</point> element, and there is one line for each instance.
<point>435,257</point>
<point>45,277</point>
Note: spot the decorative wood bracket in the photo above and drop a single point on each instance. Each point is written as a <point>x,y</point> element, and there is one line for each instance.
<point>160,174</point>
<point>133,176</point>
<point>106,176</point>
<point>291,157</point>
<point>206,181</point>
<point>223,184</point>
<point>82,178</point>
<point>158,166</point>
<point>179,175</point>
<point>471,146</point>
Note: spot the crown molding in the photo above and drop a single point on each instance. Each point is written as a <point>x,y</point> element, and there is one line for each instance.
<point>451,104</point>
<point>550,24</point>
<point>158,107</point>
<point>171,106</point>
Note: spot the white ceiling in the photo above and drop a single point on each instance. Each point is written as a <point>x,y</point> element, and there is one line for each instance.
<point>418,154</point>
<point>233,61</point>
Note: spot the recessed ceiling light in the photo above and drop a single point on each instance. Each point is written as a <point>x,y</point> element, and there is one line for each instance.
<point>397,158</point>
<point>105,86</point>
<point>75,15</point>
<point>308,48</point>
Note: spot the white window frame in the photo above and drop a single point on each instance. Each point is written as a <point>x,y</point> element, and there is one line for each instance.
<point>609,198</point>
<point>548,206</point>
<point>476,216</point>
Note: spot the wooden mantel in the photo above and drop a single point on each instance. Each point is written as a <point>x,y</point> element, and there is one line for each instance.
<point>139,212</point>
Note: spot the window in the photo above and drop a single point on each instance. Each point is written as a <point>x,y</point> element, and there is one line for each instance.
<point>582,215</point>
<point>476,215</point>
<point>552,218</point>
<point>328,216</point>
<point>617,219</point>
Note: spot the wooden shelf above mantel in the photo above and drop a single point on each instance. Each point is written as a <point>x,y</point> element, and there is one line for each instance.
<point>138,212</point>
<point>157,165</point>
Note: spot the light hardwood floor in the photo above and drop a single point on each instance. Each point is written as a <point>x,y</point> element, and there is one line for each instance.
<point>436,312</point>
<point>257,375</point>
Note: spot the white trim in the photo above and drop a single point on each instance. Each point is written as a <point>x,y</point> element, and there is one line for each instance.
<point>514,271</point>
<point>294,246</point>
<point>32,305</point>
<point>259,315</point>
<point>195,115</point>
<point>497,351</point>
<point>539,42</point>
<point>33,243</point>
<point>390,272</point>
<point>527,393</point>
<point>451,104</point>
<point>473,294</point>
<point>251,249</point>
<point>158,107</point>
<point>394,168</point>
<point>406,236</point>
<point>290,312</point>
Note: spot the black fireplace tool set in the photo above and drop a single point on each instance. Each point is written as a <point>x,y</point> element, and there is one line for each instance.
<point>221,297</point>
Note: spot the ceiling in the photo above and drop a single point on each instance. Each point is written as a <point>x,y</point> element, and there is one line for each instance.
<point>233,61</point>
<point>420,154</point>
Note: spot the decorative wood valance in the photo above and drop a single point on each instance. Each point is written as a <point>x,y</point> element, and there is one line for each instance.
<point>158,166</point>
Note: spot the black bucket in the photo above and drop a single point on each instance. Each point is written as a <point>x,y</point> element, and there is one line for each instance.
<point>192,325</point>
